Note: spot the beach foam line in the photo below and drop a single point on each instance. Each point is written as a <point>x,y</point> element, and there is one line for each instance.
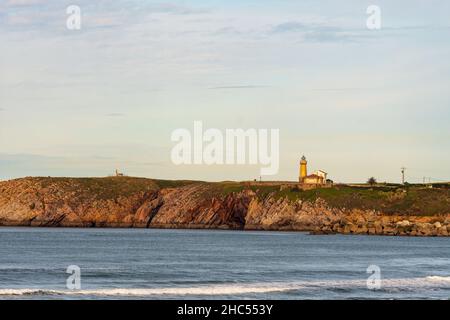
<point>439,279</point>
<point>393,283</point>
<point>200,290</point>
<point>240,288</point>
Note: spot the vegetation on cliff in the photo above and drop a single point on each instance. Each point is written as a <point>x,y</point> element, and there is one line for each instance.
<point>140,202</point>
<point>390,199</point>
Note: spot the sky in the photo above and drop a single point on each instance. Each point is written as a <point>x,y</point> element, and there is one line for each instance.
<point>356,102</point>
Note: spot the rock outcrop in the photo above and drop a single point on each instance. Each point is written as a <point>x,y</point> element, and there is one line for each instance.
<point>145,203</point>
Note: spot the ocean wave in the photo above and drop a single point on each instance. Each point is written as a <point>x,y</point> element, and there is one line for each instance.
<point>430,282</point>
<point>180,291</point>
<point>439,279</point>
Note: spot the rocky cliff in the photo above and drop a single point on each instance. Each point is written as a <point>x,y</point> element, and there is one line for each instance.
<point>138,202</point>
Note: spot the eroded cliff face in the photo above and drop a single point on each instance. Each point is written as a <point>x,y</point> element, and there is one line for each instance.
<point>72,203</point>
<point>320,218</point>
<point>188,207</point>
<point>131,202</point>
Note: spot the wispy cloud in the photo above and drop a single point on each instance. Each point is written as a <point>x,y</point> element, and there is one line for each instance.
<point>290,26</point>
<point>49,16</point>
<point>116,114</point>
<point>327,32</point>
<point>172,63</point>
<point>343,89</point>
<point>239,87</point>
<point>23,3</point>
<point>313,32</point>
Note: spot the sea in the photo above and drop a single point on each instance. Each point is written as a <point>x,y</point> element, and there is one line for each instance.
<point>95,263</point>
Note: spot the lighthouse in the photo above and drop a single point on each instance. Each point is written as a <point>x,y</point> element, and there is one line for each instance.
<point>303,169</point>
<point>317,178</point>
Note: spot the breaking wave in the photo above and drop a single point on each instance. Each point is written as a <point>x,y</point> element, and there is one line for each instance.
<point>200,290</point>
<point>241,288</point>
<point>439,279</point>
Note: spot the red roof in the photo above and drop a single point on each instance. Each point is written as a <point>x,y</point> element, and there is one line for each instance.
<point>314,176</point>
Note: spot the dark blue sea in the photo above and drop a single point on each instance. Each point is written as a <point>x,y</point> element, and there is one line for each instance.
<point>212,264</point>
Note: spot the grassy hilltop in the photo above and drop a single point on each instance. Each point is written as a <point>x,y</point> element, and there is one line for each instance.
<point>390,199</point>
<point>148,203</point>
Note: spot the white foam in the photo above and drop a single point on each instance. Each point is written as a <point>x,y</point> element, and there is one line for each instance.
<point>242,288</point>
<point>439,279</point>
<point>201,290</point>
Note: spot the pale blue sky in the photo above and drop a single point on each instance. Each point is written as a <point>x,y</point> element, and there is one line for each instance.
<point>356,102</point>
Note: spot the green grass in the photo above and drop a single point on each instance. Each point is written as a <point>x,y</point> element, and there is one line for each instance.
<point>390,199</point>
<point>393,199</point>
<point>221,189</point>
<point>99,188</point>
<point>107,187</point>
<point>173,183</point>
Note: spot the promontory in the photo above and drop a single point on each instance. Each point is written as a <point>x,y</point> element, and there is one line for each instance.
<point>127,202</point>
